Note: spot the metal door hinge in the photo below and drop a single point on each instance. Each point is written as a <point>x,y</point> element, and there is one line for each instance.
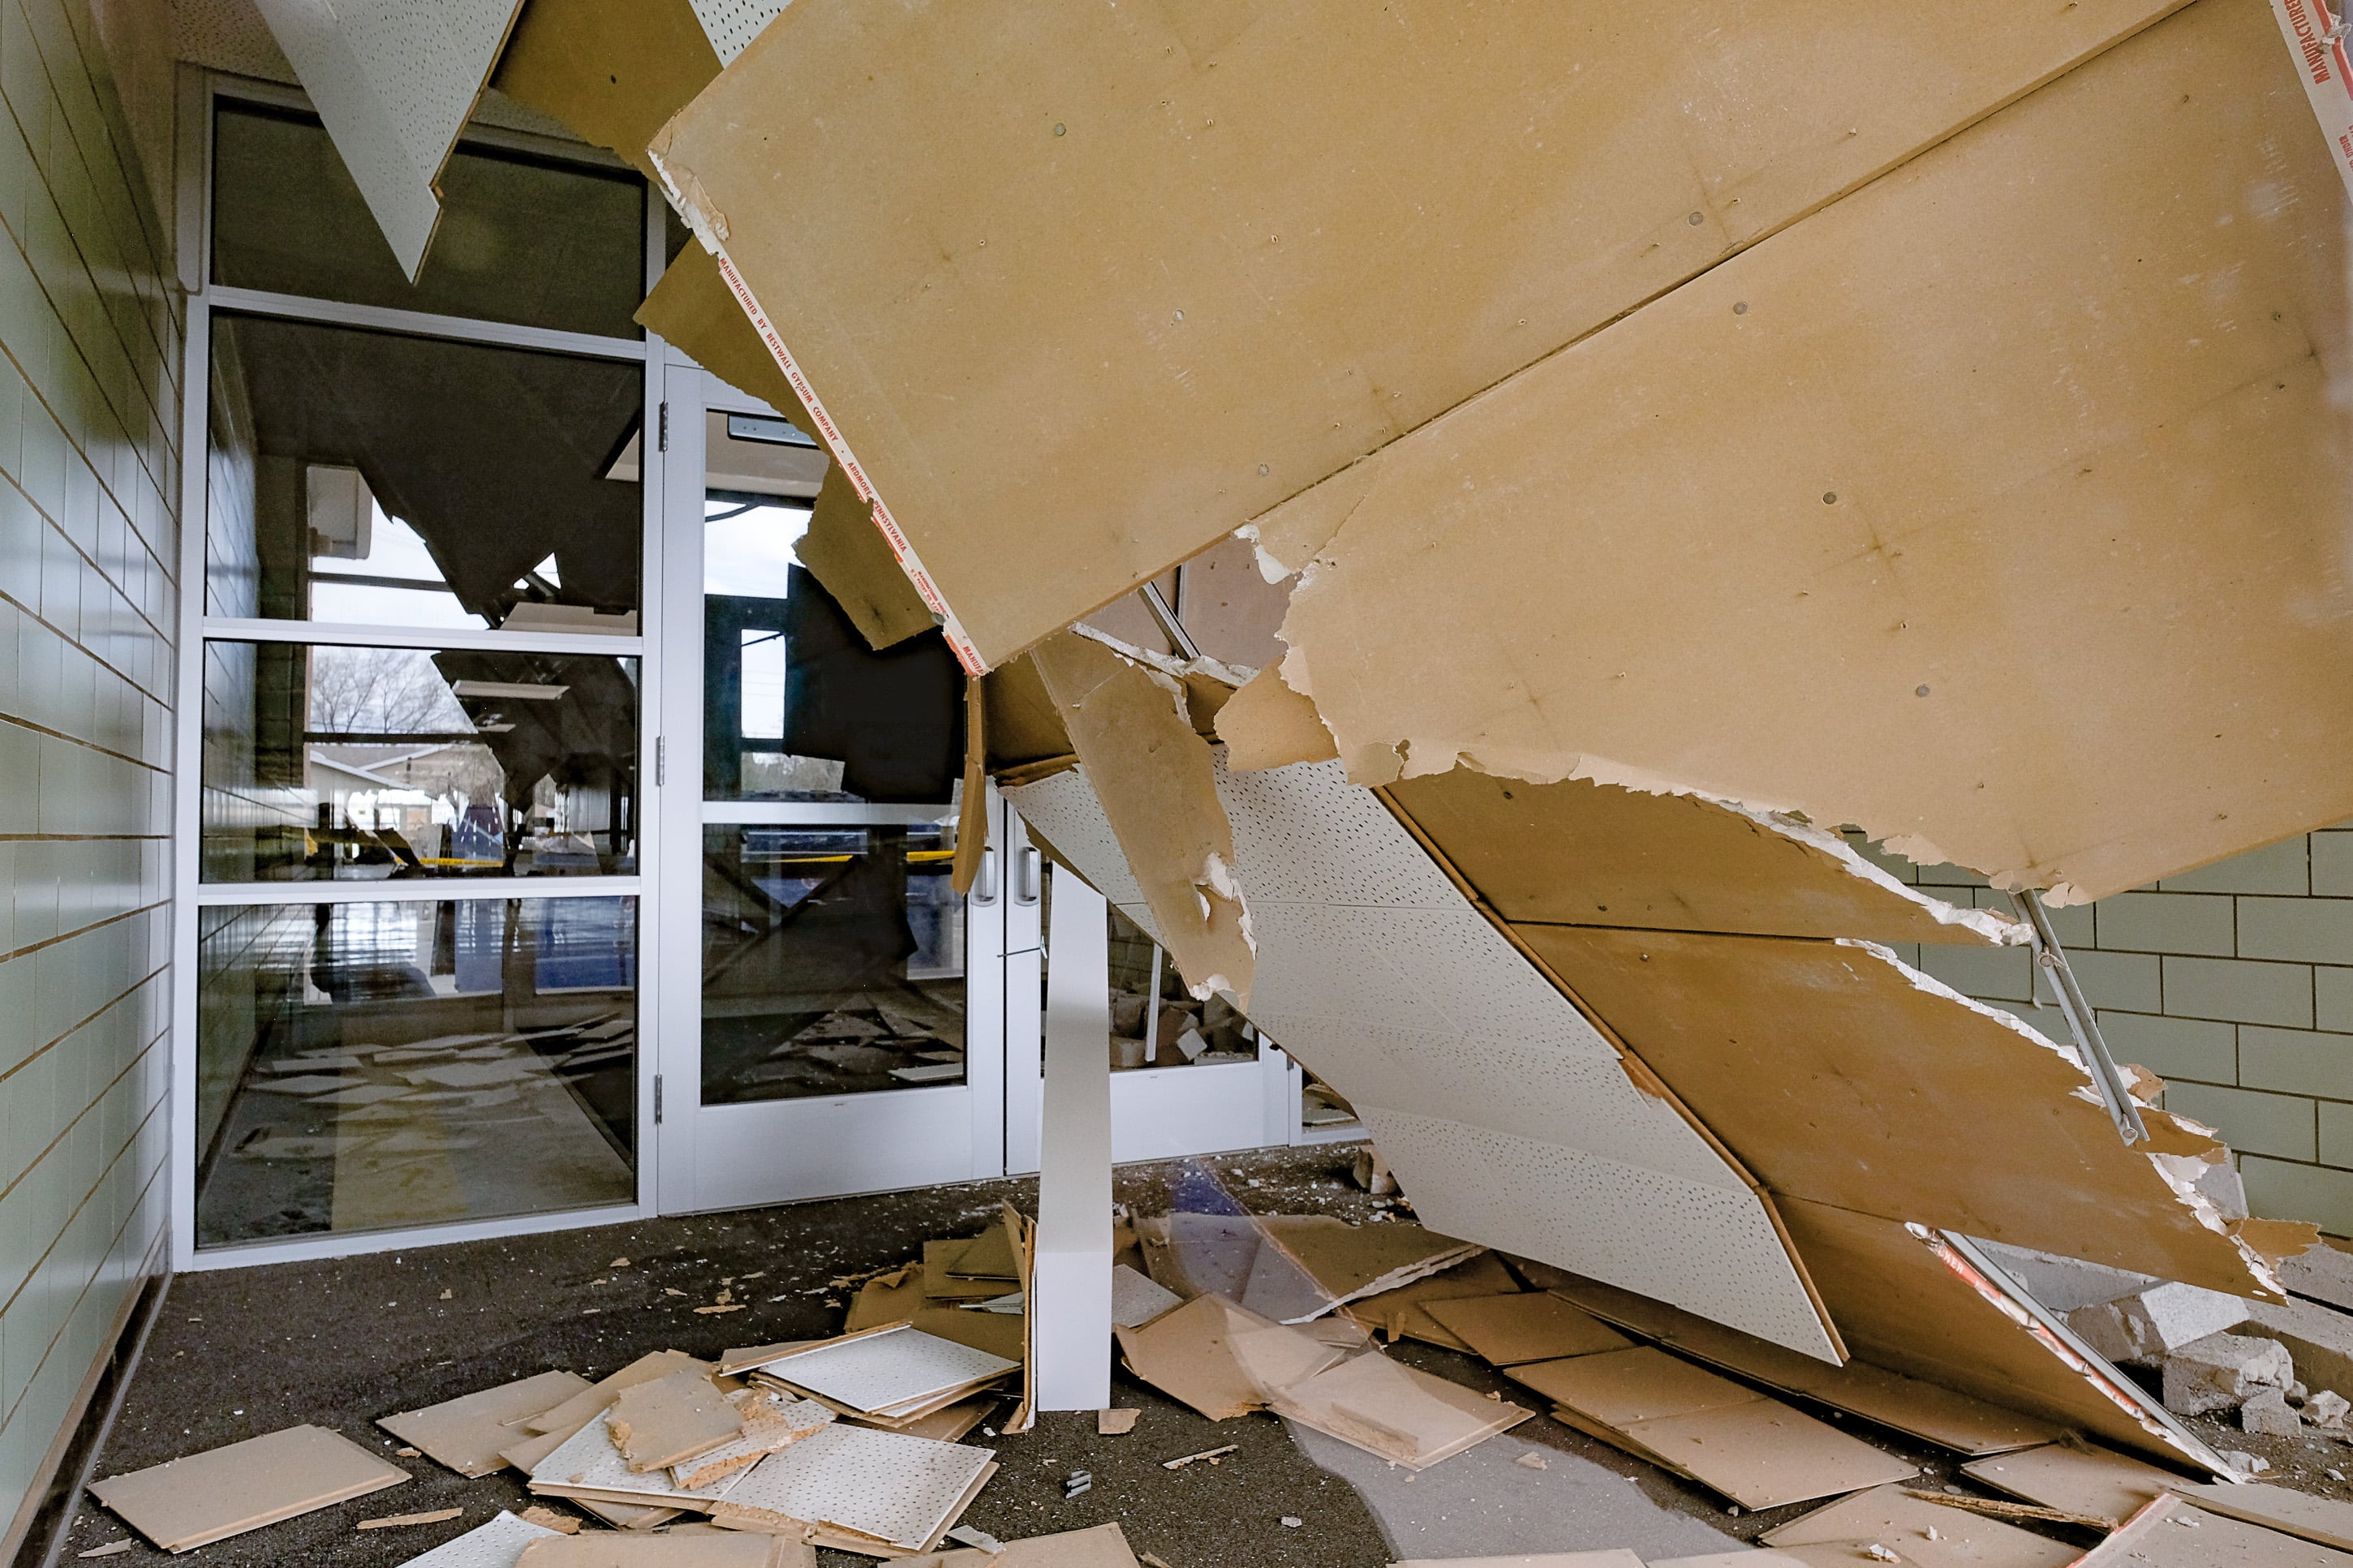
<point>662,439</point>
<point>658,1103</point>
<point>661,760</point>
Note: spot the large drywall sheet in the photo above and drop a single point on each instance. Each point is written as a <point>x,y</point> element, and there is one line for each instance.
<point>1997,508</point>
<point>393,83</point>
<point>1839,1075</point>
<point>1085,286</point>
<point>1505,1115</point>
<point>1130,721</point>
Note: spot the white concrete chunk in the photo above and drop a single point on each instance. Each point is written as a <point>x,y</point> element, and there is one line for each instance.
<point>2267,1414</point>
<point>2222,1372</point>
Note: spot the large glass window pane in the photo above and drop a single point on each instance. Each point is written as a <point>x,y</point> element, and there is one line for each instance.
<point>367,1065</point>
<point>833,961</point>
<point>529,240</point>
<point>1155,1021</point>
<point>323,763</point>
<point>796,707</point>
<point>376,479</point>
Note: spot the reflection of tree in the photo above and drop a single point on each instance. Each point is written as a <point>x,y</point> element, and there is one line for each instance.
<point>381,690</point>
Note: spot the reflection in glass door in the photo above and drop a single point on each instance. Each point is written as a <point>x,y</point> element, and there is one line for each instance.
<point>844,1033</point>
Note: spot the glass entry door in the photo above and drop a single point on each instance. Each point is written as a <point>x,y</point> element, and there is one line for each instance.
<point>835,1020</point>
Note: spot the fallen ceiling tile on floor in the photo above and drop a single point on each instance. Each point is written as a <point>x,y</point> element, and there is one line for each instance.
<point>468,1433</point>
<point>2171,1534</point>
<point>1927,1410</point>
<point>1921,1533</point>
<point>189,1503</point>
<point>2082,1479</point>
<point>859,1488</point>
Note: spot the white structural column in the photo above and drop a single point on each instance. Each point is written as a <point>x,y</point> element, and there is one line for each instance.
<point>1070,1287</point>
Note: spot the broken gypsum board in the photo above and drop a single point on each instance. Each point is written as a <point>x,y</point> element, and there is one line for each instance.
<point>1986,1277</point>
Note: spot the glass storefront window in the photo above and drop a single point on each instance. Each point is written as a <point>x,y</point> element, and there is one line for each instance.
<point>833,961</point>
<point>1156,1022</point>
<point>333,764</point>
<point>376,479</point>
<point>796,707</point>
<point>381,1065</point>
<point>529,240</point>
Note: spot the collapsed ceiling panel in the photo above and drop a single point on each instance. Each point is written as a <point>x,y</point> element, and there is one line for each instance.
<point>1840,1075</point>
<point>394,85</point>
<point>1094,286</point>
<point>1601,1098</point>
<point>1902,1305</point>
<point>1378,975</point>
<point>1997,508</point>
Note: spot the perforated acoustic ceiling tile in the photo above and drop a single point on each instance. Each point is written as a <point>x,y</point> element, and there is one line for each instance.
<point>395,81</point>
<point>494,1545</point>
<point>731,24</point>
<point>1701,1248</point>
<point>1066,814</point>
<point>1307,836</point>
<point>1463,975</point>
<point>1505,1085</point>
<point>888,1485</point>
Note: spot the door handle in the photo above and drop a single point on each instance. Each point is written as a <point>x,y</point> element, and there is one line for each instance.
<point>984,885</point>
<point>1029,876</point>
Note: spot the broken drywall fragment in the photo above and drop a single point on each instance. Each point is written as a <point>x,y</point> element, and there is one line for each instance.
<point>1220,1358</point>
<point>2170,1533</point>
<point>1404,1313</point>
<point>1508,1331</point>
<point>188,1502</point>
<point>2323,1520</point>
<point>1269,725</point>
<point>1943,1310</point>
<point>1917,1531</point>
<point>1927,1410</point>
<point>468,1433</point>
<point>2324,1272</point>
<point>671,1419</point>
<point>1404,1416</point>
<point>1154,777</point>
<point>1585,854</point>
<point>585,1405</point>
<point>889,1373</point>
<point>2222,1372</point>
<point>2080,1479</point>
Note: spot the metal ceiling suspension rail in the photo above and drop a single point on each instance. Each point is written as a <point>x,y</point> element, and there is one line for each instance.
<point>2051,959</point>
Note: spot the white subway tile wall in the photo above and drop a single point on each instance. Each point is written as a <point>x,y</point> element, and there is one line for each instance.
<point>89,412</point>
<point>2235,983</point>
